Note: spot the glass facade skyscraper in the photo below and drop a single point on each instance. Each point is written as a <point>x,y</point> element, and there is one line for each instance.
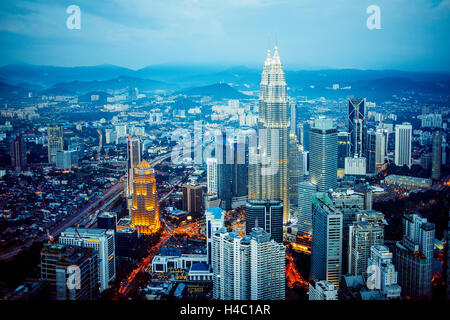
<point>323,155</point>
<point>269,216</point>
<point>357,126</point>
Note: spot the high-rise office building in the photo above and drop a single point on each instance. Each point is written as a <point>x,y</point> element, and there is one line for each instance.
<point>192,198</point>
<point>224,171</point>
<point>436,156</point>
<point>232,170</point>
<point>295,169</point>
<point>18,154</point>
<point>380,261</point>
<point>305,160</point>
<point>304,208</point>
<point>240,169</point>
<point>322,290</point>
<point>414,257</point>
<point>55,142</point>
<point>269,216</point>
<point>211,175</point>
<point>66,159</point>
<point>357,126</point>
<point>107,221</point>
<point>274,122</point>
<point>323,155</point>
<point>349,203</point>
<point>145,208</point>
<point>343,148</point>
<point>103,242</point>
<point>293,117</point>
<point>326,251</point>
<point>110,136</point>
<point>59,264</point>
<point>134,157</point>
<point>380,148</point>
<point>214,217</point>
<point>371,151</point>
<point>267,267</point>
<point>365,232</point>
<point>121,131</point>
<point>403,140</point>
<point>355,166</point>
<point>248,268</point>
<point>303,133</point>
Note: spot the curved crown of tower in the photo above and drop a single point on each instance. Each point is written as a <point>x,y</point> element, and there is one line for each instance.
<point>143,164</point>
<point>276,57</point>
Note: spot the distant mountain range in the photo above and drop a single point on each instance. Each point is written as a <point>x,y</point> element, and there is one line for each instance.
<point>197,80</point>
<point>216,91</point>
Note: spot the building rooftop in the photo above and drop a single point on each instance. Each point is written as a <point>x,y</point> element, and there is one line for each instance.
<point>217,212</point>
<point>200,266</point>
<point>85,231</point>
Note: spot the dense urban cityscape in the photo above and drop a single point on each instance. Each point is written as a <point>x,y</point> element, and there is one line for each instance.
<point>171,183</point>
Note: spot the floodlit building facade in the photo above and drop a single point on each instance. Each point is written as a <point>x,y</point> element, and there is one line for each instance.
<point>145,208</point>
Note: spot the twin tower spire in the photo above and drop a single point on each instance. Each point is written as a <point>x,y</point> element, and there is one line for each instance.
<point>275,60</point>
<point>271,182</point>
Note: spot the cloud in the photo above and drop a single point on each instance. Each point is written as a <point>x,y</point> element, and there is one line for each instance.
<point>310,32</point>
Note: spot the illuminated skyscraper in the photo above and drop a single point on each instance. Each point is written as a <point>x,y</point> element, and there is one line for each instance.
<point>357,126</point>
<point>274,122</point>
<point>134,155</point>
<point>55,142</point>
<point>403,140</point>
<point>145,209</point>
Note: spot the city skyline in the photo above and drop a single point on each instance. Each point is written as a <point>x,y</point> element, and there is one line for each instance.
<point>186,181</point>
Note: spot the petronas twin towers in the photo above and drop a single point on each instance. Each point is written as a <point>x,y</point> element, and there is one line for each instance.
<point>268,178</point>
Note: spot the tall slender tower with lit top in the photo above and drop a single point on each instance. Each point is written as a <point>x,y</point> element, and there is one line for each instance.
<point>133,159</point>
<point>274,118</point>
<point>145,209</point>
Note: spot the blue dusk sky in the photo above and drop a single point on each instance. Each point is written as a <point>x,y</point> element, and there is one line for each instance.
<point>310,34</point>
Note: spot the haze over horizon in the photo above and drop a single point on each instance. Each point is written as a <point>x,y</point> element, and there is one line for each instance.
<point>310,34</point>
